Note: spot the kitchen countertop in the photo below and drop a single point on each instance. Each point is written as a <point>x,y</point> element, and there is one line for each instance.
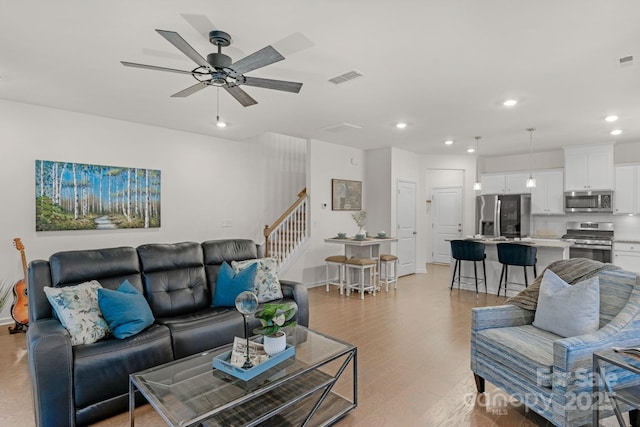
<point>543,243</point>
<point>625,241</point>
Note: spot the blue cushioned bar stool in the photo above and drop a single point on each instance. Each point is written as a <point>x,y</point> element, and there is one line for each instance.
<point>519,255</point>
<point>468,250</point>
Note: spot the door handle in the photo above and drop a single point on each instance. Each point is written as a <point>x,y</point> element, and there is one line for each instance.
<point>415,232</point>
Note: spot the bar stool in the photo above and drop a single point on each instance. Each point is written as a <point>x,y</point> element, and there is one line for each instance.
<point>387,264</point>
<point>339,262</point>
<point>359,266</point>
<point>518,255</point>
<point>468,250</point>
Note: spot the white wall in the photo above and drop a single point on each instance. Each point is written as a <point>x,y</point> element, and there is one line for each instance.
<point>205,181</point>
<point>326,161</point>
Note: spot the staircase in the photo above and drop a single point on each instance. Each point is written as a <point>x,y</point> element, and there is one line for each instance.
<point>289,233</point>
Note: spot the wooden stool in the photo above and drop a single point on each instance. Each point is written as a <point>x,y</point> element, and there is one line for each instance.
<point>386,264</point>
<point>338,261</point>
<point>359,265</point>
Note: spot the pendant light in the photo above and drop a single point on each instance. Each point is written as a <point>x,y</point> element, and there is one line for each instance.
<point>477,185</point>
<point>219,123</point>
<point>531,182</point>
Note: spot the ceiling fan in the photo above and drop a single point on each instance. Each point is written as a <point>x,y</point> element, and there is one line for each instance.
<point>219,71</point>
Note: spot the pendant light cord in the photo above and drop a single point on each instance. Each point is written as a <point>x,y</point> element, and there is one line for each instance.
<point>531,151</point>
<point>477,159</point>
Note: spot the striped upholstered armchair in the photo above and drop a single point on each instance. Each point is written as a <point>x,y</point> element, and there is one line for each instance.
<point>549,374</point>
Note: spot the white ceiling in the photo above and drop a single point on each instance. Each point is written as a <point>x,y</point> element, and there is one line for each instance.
<point>442,66</point>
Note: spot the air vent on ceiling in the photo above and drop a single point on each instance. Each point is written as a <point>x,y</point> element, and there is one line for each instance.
<point>626,60</point>
<point>341,127</point>
<point>349,75</point>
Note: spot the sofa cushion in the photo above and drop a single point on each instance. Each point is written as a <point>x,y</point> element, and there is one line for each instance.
<point>568,310</point>
<point>230,284</point>
<point>525,349</point>
<point>77,309</point>
<point>101,370</point>
<point>174,278</point>
<point>125,310</point>
<point>267,285</point>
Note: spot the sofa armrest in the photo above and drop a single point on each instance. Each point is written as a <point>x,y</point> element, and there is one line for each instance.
<point>298,292</point>
<point>500,316</point>
<point>51,370</point>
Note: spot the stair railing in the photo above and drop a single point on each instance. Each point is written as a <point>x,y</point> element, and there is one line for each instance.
<point>289,231</point>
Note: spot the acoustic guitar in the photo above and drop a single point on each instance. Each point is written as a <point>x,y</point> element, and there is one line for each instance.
<point>20,307</point>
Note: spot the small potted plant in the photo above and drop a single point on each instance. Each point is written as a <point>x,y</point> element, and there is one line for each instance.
<point>275,317</point>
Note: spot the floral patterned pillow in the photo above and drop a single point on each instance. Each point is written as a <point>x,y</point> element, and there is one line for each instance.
<point>78,310</point>
<point>266,285</point>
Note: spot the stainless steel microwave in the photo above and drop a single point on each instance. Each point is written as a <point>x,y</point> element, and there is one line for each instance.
<point>588,201</point>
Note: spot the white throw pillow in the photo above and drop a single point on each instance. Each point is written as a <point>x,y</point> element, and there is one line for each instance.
<point>78,310</point>
<point>568,310</point>
<point>266,285</point>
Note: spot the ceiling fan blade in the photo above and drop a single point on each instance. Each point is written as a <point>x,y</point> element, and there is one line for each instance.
<point>240,95</point>
<point>190,90</point>
<point>273,84</point>
<point>153,67</point>
<point>177,40</point>
<point>265,56</point>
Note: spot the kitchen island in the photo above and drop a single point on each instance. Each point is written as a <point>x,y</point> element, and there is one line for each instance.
<point>549,250</point>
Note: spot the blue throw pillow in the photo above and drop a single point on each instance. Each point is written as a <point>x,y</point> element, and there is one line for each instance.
<point>229,284</point>
<point>126,310</point>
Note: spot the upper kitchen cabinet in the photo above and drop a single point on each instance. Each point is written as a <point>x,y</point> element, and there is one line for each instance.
<point>510,183</point>
<point>626,197</point>
<point>547,197</point>
<point>588,167</point>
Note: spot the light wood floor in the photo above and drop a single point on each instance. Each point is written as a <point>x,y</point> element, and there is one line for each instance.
<point>413,360</point>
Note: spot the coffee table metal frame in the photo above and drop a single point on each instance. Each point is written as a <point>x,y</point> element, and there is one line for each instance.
<point>301,387</point>
<point>628,395</point>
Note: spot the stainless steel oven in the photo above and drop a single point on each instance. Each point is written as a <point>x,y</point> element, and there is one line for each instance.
<point>592,240</point>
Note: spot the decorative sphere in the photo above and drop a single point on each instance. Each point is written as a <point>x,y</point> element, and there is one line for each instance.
<point>247,302</point>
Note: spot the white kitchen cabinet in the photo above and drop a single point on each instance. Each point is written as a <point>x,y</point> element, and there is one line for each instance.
<point>627,255</point>
<point>547,197</point>
<point>588,168</point>
<point>626,198</point>
<point>511,183</point>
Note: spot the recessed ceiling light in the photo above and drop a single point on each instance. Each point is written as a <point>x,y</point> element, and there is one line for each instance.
<point>509,102</point>
<point>401,125</point>
<point>616,132</point>
<point>471,150</point>
<point>221,124</point>
<point>611,118</point>
<point>448,142</point>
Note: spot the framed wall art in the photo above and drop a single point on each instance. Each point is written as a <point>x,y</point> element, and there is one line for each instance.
<point>76,196</point>
<point>346,195</point>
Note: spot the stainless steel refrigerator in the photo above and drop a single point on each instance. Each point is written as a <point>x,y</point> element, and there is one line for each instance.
<point>503,215</point>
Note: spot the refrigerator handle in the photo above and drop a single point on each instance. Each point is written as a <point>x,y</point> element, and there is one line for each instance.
<point>498,230</point>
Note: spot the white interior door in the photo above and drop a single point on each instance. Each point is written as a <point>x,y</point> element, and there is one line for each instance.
<point>406,204</point>
<point>446,213</point>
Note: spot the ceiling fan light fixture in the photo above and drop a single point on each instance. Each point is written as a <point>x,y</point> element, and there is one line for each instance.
<point>220,123</point>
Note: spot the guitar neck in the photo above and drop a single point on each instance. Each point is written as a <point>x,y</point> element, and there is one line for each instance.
<point>24,265</point>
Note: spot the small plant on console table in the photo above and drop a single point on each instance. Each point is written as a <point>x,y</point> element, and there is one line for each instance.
<point>273,318</point>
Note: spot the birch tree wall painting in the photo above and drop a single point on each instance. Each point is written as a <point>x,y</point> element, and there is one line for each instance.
<point>75,196</point>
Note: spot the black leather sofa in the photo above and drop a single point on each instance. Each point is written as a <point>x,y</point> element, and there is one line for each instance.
<point>79,385</point>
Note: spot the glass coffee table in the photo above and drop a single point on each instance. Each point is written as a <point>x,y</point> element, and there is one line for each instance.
<point>298,391</point>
